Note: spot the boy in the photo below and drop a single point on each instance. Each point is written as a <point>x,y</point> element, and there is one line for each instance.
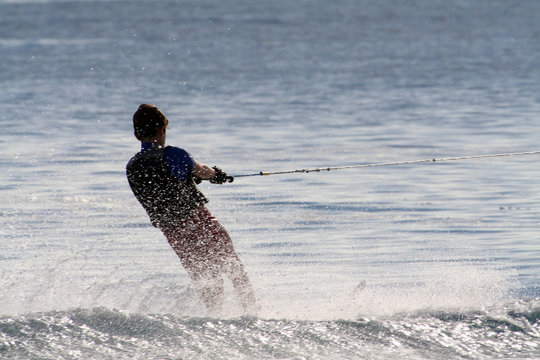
<point>163,179</point>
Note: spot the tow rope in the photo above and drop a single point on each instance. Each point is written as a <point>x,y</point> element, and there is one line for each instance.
<point>433,160</point>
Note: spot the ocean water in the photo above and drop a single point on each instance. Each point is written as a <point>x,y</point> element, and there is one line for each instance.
<point>449,251</point>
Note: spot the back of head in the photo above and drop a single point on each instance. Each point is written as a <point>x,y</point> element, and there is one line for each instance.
<point>147,121</point>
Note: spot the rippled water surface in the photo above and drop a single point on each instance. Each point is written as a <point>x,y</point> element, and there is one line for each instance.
<point>449,250</point>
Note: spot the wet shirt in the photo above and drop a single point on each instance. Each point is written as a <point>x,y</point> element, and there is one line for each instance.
<point>161,179</point>
<point>179,161</point>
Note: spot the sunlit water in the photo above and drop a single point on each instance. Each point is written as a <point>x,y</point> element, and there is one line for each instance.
<point>449,250</point>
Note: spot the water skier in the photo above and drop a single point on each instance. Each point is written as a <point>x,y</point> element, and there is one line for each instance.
<point>164,180</point>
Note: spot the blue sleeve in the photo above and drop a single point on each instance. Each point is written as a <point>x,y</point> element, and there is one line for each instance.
<point>179,162</point>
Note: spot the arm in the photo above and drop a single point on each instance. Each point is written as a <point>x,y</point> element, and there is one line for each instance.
<point>180,163</point>
<point>203,171</point>
<point>214,174</point>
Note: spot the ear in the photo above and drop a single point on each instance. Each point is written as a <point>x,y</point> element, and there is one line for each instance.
<point>135,133</point>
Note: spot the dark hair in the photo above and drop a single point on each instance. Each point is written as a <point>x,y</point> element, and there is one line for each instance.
<point>147,121</point>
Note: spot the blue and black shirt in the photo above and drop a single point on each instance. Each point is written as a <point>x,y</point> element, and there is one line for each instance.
<point>162,181</point>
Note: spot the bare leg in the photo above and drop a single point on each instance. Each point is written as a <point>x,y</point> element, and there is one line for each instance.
<point>223,253</point>
<point>207,252</point>
<point>205,274</point>
<point>209,286</point>
<point>235,271</point>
